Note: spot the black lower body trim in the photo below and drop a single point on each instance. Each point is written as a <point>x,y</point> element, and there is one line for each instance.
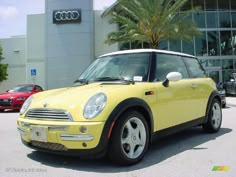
<point>59,149</point>
<point>168,131</point>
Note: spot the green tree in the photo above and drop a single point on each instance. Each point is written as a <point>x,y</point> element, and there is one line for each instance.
<point>152,21</point>
<point>3,68</point>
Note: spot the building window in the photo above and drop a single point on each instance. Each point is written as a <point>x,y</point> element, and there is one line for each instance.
<point>188,47</point>
<point>187,6</point>
<point>233,42</point>
<point>175,46</point>
<point>211,5</point>
<point>227,64</point>
<point>163,45</point>
<point>199,19</point>
<point>199,3</point>
<point>233,5</point>
<point>235,64</point>
<point>226,43</point>
<point>223,5</point>
<point>233,14</point>
<point>212,19</point>
<point>125,46</point>
<point>201,45</point>
<point>214,63</point>
<point>213,43</point>
<point>226,75</point>
<point>224,19</point>
<point>136,45</point>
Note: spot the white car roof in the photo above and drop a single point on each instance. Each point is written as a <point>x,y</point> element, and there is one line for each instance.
<point>147,50</point>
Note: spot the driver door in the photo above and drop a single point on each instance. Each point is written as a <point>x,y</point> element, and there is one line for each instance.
<point>174,103</point>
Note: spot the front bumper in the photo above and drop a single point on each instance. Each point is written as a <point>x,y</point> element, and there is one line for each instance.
<point>73,138</point>
<point>12,107</point>
<point>11,104</point>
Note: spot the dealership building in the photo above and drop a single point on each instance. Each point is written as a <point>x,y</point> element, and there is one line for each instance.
<point>63,41</point>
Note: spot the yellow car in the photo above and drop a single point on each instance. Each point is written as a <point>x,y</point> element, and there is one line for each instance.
<point>120,103</point>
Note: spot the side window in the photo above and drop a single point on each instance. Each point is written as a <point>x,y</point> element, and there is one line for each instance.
<point>169,63</point>
<point>195,69</point>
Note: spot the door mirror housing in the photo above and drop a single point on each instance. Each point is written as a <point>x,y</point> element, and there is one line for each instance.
<point>172,76</point>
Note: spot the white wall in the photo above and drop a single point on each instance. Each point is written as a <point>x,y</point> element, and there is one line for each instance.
<point>69,47</point>
<point>102,28</point>
<point>14,53</point>
<point>36,49</point>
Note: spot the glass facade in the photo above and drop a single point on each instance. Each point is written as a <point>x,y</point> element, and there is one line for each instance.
<point>217,45</point>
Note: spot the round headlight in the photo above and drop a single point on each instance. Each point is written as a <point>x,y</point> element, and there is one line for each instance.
<point>26,105</point>
<point>95,105</point>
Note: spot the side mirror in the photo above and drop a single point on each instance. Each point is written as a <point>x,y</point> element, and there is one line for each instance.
<point>172,76</point>
<point>7,91</point>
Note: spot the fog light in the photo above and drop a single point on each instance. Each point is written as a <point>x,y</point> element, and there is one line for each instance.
<point>83,129</point>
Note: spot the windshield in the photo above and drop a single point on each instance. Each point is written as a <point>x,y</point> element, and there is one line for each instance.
<point>118,67</point>
<point>21,89</point>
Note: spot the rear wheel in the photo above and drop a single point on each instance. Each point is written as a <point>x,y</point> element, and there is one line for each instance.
<point>130,139</point>
<point>214,117</point>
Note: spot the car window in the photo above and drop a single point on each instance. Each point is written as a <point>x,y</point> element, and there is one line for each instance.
<point>169,63</point>
<point>21,89</point>
<point>128,66</point>
<point>195,68</point>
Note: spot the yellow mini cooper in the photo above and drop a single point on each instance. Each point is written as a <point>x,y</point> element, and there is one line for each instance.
<point>119,104</point>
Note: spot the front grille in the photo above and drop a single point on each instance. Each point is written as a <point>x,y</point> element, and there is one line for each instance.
<point>5,102</point>
<point>51,114</point>
<point>49,146</point>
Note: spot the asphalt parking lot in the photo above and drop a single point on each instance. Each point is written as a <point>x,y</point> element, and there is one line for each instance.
<point>191,153</point>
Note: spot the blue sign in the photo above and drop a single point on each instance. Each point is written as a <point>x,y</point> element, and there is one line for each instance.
<point>33,72</point>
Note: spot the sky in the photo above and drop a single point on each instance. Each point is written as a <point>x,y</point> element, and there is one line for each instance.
<point>13,14</point>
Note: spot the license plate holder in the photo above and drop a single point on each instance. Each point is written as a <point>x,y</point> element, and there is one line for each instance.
<point>38,133</point>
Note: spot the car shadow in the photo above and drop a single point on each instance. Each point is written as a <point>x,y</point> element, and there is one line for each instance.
<point>162,149</point>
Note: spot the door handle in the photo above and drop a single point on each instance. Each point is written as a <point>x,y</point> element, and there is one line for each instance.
<point>194,86</point>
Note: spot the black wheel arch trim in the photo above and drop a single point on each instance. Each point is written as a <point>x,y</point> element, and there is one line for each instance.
<point>213,95</point>
<point>130,103</point>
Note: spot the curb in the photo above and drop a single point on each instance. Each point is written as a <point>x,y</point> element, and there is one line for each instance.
<point>229,104</point>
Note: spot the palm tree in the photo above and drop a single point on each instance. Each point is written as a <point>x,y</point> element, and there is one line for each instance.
<point>152,21</point>
<point>3,68</point>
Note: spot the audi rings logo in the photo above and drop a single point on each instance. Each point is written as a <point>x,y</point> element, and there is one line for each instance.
<point>67,16</point>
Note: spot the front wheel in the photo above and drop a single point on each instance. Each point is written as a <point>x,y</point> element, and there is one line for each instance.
<point>130,139</point>
<point>214,117</point>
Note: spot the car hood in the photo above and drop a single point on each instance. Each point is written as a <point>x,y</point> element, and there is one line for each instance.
<point>74,97</point>
<point>8,95</point>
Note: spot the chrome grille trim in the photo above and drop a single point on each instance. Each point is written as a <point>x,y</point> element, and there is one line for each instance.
<point>49,114</point>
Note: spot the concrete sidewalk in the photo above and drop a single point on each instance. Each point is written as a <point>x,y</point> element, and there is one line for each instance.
<point>231,101</point>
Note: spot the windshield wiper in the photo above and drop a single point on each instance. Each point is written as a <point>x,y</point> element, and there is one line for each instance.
<point>82,81</point>
<point>130,81</point>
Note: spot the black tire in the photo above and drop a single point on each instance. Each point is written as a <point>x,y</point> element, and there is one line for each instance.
<point>214,117</point>
<point>132,128</point>
<point>2,110</point>
<point>224,105</point>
